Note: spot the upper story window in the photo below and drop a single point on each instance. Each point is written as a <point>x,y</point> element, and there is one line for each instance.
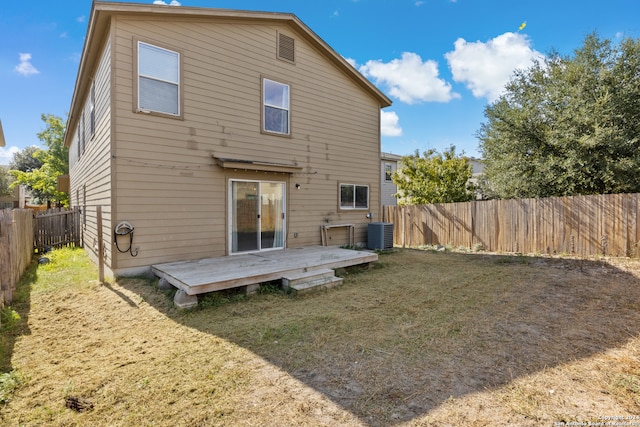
<point>92,109</point>
<point>354,196</point>
<point>275,116</point>
<point>81,135</point>
<point>388,171</point>
<point>158,79</point>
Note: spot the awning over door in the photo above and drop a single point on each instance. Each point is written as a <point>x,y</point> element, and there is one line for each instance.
<point>256,165</point>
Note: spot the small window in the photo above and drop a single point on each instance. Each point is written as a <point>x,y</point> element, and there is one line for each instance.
<point>158,79</point>
<point>92,110</point>
<point>388,171</point>
<point>79,138</point>
<point>275,107</point>
<point>81,135</point>
<point>354,196</point>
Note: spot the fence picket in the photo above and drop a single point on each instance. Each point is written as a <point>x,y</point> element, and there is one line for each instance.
<point>581,225</point>
<point>56,228</point>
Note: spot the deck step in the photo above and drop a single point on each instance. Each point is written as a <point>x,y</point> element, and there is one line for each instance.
<point>313,279</point>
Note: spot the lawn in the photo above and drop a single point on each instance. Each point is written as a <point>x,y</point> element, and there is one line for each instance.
<point>424,338</point>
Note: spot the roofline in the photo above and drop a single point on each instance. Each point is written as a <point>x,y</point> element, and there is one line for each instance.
<point>100,19</point>
<point>390,156</point>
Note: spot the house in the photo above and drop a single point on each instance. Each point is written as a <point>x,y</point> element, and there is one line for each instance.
<point>388,166</point>
<point>477,169</point>
<point>209,132</point>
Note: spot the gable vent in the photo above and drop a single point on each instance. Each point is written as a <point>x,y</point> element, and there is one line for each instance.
<point>286,48</point>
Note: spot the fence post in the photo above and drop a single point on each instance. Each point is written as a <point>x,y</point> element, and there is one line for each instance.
<point>403,229</point>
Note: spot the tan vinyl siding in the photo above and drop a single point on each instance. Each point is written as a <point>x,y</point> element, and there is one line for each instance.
<point>166,183</point>
<point>90,174</point>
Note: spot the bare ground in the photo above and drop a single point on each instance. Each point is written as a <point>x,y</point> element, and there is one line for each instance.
<point>425,339</point>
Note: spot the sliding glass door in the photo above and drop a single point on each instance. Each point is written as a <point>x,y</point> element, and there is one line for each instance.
<point>257,211</point>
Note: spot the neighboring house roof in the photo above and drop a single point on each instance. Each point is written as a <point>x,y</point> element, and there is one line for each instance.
<point>100,19</point>
<point>2,143</point>
<point>477,165</point>
<point>390,156</point>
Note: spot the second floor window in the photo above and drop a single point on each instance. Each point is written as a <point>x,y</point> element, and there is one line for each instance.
<point>275,107</point>
<point>92,109</point>
<point>158,79</point>
<point>388,172</point>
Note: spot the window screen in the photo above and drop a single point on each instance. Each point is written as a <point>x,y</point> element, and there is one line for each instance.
<point>158,79</point>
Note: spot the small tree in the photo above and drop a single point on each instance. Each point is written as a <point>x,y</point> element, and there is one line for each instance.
<point>433,178</point>
<point>43,181</point>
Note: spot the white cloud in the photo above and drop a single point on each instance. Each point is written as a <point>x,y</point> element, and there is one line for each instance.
<point>485,68</point>
<point>389,124</point>
<point>25,67</point>
<point>81,19</point>
<point>172,3</point>
<point>409,79</point>
<point>6,154</point>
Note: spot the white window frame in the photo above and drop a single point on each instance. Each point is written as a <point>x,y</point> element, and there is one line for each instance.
<point>157,78</point>
<point>284,107</point>
<point>352,205</point>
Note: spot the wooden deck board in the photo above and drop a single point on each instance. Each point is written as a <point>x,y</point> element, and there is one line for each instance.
<point>213,274</point>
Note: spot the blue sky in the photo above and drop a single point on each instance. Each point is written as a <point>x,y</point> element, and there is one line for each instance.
<point>440,61</point>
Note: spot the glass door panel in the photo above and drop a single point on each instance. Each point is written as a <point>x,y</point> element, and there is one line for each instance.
<point>271,215</point>
<point>244,215</point>
<point>257,216</point>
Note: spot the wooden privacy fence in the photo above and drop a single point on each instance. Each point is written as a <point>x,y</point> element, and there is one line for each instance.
<point>580,225</point>
<point>56,228</point>
<point>16,249</point>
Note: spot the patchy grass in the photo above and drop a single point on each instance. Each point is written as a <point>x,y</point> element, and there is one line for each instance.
<point>9,382</point>
<point>425,338</point>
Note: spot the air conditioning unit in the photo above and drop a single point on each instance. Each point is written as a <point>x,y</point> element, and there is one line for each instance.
<point>380,235</point>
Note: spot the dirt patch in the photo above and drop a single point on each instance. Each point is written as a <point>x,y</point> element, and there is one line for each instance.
<point>427,338</point>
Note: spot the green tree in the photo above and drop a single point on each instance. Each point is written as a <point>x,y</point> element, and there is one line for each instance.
<point>43,181</point>
<point>433,178</point>
<point>26,160</point>
<point>567,125</point>
<point>5,180</point>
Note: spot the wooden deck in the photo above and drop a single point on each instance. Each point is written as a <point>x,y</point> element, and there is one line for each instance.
<point>214,274</point>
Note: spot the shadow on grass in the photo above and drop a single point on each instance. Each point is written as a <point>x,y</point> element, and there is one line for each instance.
<point>14,328</point>
<point>394,343</point>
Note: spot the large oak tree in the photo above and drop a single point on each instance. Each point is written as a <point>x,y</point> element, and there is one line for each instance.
<point>567,125</point>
